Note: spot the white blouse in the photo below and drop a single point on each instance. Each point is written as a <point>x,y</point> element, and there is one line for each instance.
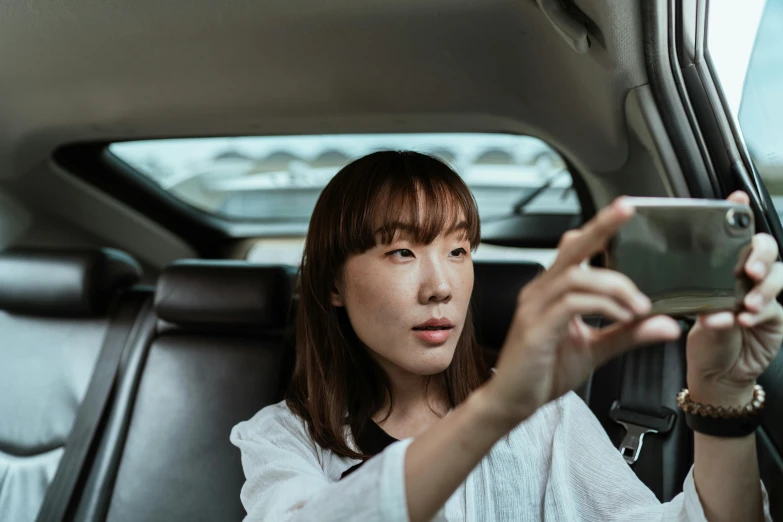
<point>557,465</point>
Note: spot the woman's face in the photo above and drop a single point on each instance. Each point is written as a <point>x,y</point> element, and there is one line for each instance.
<point>407,302</point>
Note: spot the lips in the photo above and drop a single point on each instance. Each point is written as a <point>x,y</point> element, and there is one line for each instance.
<point>434,331</point>
<point>434,323</point>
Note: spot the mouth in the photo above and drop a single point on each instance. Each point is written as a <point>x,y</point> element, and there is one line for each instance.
<point>434,324</point>
<point>424,328</point>
<point>434,331</point>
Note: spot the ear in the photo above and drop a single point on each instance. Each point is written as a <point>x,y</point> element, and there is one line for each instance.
<point>337,298</point>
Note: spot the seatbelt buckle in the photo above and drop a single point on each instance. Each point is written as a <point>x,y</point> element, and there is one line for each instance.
<point>637,424</point>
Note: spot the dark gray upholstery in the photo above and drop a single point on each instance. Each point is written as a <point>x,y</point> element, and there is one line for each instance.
<point>223,293</point>
<point>495,290</point>
<point>52,325</point>
<point>69,283</point>
<point>217,365</point>
<point>178,463</point>
<point>770,436</point>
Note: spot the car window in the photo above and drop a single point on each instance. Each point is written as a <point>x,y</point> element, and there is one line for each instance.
<point>745,42</point>
<point>279,178</point>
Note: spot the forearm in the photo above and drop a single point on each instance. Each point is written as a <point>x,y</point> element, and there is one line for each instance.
<point>726,470</point>
<point>441,458</point>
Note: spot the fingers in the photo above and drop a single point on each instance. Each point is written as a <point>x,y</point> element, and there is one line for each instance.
<point>740,197</point>
<point>718,321</point>
<point>763,255</point>
<point>618,338</point>
<point>765,249</point>
<point>766,291</point>
<point>760,303</point>
<point>598,281</point>
<point>574,303</point>
<point>764,269</point>
<point>578,245</point>
<point>771,314</point>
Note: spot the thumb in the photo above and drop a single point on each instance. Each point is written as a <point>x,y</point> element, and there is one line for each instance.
<point>618,338</point>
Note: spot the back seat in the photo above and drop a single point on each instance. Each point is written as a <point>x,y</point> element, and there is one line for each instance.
<point>53,320</point>
<point>495,289</point>
<point>215,357</point>
<point>214,360</point>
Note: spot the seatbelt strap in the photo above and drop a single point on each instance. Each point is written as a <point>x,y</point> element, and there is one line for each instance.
<point>123,319</point>
<point>639,409</point>
<point>651,376</point>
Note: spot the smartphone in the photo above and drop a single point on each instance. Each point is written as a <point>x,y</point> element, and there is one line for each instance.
<point>686,255</point>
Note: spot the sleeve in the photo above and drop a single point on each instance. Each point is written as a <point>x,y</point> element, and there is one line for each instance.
<point>602,484</point>
<point>286,483</point>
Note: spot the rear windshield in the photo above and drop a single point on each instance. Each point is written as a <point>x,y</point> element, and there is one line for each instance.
<point>278,178</point>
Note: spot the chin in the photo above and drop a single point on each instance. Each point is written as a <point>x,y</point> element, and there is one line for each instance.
<point>430,361</point>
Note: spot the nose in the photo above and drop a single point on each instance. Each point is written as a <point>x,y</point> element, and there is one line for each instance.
<point>436,284</point>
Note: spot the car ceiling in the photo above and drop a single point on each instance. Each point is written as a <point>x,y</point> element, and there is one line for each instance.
<point>92,70</point>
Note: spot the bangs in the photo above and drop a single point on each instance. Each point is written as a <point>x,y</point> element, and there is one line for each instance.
<point>420,214</point>
<point>410,195</point>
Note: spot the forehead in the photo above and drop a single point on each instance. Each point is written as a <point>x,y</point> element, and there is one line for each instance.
<point>421,214</point>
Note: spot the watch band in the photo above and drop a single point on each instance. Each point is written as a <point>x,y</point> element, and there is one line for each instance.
<point>721,421</point>
<point>720,427</point>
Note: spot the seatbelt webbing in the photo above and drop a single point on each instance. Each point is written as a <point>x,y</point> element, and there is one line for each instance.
<point>651,376</point>
<point>123,318</point>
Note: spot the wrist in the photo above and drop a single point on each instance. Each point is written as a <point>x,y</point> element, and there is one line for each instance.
<point>719,392</point>
<point>491,412</point>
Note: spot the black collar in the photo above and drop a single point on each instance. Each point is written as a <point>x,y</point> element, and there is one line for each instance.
<point>371,440</point>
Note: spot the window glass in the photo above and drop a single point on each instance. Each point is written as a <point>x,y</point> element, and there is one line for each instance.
<point>746,45</point>
<point>279,178</point>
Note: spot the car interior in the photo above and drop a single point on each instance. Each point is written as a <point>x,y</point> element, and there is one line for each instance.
<point>139,324</point>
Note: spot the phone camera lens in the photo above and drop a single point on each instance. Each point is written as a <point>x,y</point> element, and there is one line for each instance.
<point>741,220</point>
<point>738,221</point>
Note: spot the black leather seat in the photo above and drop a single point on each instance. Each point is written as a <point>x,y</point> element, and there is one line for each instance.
<point>215,360</point>
<point>53,319</point>
<point>495,290</point>
<point>770,436</point>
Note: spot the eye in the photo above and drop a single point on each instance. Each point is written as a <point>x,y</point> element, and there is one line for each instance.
<point>401,252</point>
<point>458,252</point>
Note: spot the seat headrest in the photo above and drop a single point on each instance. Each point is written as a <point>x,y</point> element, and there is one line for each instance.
<point>495,290</point>
<point>64,282</point>
<point>232,293</point>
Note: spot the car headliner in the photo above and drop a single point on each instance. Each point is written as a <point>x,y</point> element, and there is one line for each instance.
<point>89,69</point>
<point>92,70</point>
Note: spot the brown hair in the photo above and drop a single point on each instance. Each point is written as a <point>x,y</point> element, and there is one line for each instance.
<point>368,201</point>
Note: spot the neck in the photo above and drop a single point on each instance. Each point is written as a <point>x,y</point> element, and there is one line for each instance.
<point>413,399</point>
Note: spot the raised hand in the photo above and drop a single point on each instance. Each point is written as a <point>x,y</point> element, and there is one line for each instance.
<point>549,349</point>
<point>728,351</point>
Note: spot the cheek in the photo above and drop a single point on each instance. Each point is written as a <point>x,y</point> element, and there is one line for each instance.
<point>372,298</point>
<point>464,289</point>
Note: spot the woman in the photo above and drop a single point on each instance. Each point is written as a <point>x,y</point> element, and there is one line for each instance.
<point>388,365</point>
